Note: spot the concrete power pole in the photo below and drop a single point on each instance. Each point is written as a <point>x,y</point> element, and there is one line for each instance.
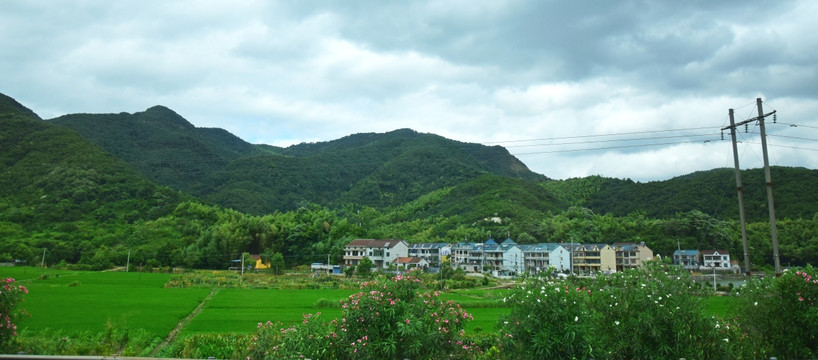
<point>740,196</point>
<point>770,203</point>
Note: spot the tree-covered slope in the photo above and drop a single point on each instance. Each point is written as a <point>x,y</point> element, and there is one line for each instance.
<point>57,188</point>
<point>379,170</point>
<point>10,106</point>
<point>712,192</point>
<point>161,144</point>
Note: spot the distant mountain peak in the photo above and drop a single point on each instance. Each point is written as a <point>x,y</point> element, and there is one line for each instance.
<point>164,115</point>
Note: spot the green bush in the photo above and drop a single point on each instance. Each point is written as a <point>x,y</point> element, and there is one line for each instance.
<point>650,312</point>
<point>219,346</point>
<point>388,319</point>
<point>11,296</point>
<point>782,313</point>
<point>112,341</point>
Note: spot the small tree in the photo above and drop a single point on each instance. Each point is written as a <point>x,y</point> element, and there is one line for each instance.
<point>349,271</point>
<point>365,267</point>
<point>277,263</point>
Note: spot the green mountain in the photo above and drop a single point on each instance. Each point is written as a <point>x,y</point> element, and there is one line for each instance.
<point>57,188</point>
<point>11,106</point>
<point>712,192</point>
<point>165,147</point>
<point>379,170</point>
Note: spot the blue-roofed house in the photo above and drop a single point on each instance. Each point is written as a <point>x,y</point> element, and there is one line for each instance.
<point>688,259</point>
<point>540,257</point>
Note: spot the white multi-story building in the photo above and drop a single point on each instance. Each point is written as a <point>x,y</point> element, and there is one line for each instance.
<point>716,258</point>
<point>433,253</point>
<point>541,257</point>
<point>381,252</point>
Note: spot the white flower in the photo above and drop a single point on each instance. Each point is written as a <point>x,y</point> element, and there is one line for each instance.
<point>726,340</point>
<point>576,318</point>
<point>755,303</point>
<point>660,298</point>
<point>617,323</point>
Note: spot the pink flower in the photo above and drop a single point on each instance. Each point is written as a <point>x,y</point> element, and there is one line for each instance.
<point>800,299</point>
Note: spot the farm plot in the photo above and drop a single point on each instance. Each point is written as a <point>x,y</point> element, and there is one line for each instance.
<point>240,310</point>
<point>79,301</point>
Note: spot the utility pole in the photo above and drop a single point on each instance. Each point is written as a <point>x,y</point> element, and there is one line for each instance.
<point>128,263</point>
<point>740,196</point>
<point>770,203</point>
<point>42,263</point>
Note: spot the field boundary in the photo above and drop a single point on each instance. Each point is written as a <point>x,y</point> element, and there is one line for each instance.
<point>182,323</point>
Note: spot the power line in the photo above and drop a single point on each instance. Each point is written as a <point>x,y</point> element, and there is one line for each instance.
<point>613,140</point>
<point>609,147</point>
<point>600,135</point>
<point>792,137</point>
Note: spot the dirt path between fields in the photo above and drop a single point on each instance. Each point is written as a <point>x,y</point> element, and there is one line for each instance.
<point>183,323</point>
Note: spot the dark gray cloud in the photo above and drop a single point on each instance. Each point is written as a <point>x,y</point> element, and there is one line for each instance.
<point>284,72</point>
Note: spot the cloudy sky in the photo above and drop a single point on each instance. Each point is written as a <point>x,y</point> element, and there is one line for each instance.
<point>627,89</point>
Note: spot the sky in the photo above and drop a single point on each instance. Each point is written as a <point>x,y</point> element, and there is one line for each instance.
<point>625,89</point>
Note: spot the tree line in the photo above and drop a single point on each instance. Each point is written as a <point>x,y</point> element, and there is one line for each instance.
<point>196,235</point>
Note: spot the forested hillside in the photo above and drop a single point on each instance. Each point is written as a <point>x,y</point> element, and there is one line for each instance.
<point>165,147</point>
<point>379,170</point>
<point>712,192</point>
<point>62,193</point>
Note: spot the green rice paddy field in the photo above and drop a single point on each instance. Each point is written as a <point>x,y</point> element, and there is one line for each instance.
<point>81,301</point>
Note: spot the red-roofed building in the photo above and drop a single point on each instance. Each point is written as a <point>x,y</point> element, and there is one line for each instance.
<point>411,262</point>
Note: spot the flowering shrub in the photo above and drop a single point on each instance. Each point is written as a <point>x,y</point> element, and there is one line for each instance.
<point>388,319</point>
<point>781,313</point>
<point>548,320</point>
<point>651,312</point>
<point>10,297</point>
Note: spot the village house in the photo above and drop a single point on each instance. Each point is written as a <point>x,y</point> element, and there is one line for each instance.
<point>631,255</point>
<point>382,253</point>
<point>411,263</point>
<point>592,258</point>
<point>541,257</point>
<point>688,259</point>
<point>716,258</point>
<point>433,253</point>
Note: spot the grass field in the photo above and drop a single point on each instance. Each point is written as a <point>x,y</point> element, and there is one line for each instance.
<point>240,310</point>
<point>98,300</point>
<point>102,300</point>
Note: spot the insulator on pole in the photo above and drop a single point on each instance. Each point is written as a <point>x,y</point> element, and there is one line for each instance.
<point>746,128</point>
<point>722,134</point>
<point>775,118</point>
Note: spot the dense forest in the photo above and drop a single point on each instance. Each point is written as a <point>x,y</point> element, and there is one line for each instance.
<point>88,190</point>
